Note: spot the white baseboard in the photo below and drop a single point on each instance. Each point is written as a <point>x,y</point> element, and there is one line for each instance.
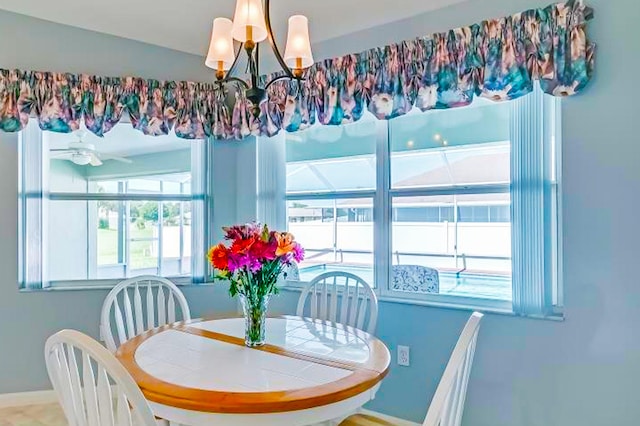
<point>395,420</point>
<point>27,398</point>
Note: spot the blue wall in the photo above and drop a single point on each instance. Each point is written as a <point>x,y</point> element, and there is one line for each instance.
<point>583,371</point>
<point>27,319</point>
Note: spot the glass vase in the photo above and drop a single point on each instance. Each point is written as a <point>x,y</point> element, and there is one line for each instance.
<point>255,314</point>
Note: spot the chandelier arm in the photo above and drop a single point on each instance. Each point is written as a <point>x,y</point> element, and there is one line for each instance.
<point>280,77</point>
<point>237,80</point>
<point>253,64</point>
<point>272,42</point>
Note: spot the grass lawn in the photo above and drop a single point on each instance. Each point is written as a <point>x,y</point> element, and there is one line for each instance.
<point>141,256</point>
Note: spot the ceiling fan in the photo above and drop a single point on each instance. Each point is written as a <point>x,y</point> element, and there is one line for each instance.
<point>83,153</point>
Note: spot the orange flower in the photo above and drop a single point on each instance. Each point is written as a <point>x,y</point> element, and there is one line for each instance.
<point>286,243</point>
<point>218,256</point>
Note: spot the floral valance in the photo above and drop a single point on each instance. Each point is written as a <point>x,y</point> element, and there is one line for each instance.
<point>498,59</point>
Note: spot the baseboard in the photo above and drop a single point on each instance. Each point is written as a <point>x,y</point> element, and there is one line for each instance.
<point>27,398</point>
<point>394,420</point>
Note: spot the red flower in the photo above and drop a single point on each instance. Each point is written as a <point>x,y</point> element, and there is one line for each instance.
<point>242,246</point>
<point>264,250</point>
<point>219,257</point>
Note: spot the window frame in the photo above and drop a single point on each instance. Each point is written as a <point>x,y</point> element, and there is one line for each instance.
<point>384,194</point>
<point>34,197</point>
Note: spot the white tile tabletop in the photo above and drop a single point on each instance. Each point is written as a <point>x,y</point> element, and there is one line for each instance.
<point>199,362</point>
<point>202,366</point>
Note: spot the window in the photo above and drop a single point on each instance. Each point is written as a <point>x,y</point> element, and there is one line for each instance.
<point>436,160</point>
<point>471,194</point>
<point>331,182</point>
<point>137,208</point>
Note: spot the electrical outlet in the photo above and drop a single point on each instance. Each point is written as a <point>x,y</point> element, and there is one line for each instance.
<point>404,357</point>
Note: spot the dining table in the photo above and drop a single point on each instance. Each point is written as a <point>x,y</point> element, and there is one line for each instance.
<point>201,373</point>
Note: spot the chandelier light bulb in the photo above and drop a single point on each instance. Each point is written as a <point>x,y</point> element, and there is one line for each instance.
<point>248,21</point>
<point>298,54</point>
<point>221,55</point>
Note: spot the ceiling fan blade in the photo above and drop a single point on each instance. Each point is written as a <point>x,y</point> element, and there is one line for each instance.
<point>95,160</point>
<point>61,150</point>
<point>62,156</point>
<point>115,158</point>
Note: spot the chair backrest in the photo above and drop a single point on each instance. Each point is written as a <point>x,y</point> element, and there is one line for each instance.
<point>447,404</point>
<point>415,279</point>
<point>340,297</point>
<point>92,386</point>
<point>150,298</point>
<point>291,272</point>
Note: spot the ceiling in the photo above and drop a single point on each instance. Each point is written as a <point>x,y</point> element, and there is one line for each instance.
<point>186,25</point>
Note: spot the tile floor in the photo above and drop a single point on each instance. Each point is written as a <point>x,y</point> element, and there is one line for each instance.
<point>33,415</point>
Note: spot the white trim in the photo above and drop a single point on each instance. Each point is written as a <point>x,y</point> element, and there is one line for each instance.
<point>21,399</point>
<point>394,420</point>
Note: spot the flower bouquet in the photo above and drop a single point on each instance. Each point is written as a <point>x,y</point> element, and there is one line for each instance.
<point>253,261</point>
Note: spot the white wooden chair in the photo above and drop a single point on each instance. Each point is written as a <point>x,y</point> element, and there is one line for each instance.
<point>340,297</point>
<point>145,297</point>
<point>447,404</point>
<point>92,386</point>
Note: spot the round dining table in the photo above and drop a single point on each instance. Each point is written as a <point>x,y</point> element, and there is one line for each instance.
<point>200,372</point>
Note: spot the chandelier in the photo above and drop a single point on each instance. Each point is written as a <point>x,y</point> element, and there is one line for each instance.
<point>251,25</point>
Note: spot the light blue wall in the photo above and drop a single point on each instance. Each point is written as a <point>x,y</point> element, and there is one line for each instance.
<point>583,371</point>
<point>27,319</point>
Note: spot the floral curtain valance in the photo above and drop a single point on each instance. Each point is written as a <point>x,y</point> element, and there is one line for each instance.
<point>498,59</point>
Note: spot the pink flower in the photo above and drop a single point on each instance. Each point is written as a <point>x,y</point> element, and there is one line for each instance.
<point>298,253</point>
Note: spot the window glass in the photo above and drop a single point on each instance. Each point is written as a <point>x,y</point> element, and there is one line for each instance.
<point>337,234</point>
<point>449,195</point>
<point>461,146</point>
<point>176,238</point>
<point>470,256</point>
<point>110,241</point>
<point>122,153</point>
<point>329,159</point>
<point>119,237</point>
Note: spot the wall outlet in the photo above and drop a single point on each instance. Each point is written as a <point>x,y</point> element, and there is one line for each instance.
<point>404,357</point>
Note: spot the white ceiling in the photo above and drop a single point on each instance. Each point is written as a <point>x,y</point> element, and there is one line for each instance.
<point>185,25</point>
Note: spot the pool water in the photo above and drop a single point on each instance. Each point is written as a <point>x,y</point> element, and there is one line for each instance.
<point>463,284</point>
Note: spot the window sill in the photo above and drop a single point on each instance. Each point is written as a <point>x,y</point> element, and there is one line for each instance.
<point>297,287</point>
<point>485,306</point>
<point>82,285</point>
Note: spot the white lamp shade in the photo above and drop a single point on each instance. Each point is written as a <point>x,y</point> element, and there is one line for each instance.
<point>249,14</point>
<point>221,46</point>
<point>298,50</point>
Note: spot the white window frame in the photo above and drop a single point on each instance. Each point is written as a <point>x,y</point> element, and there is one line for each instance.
<point>382,211</point>
<point>34,197</point>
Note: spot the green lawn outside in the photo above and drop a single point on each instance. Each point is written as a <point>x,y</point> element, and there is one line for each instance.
<point>140,250</point>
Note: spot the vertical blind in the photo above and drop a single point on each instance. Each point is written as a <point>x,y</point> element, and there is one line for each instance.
<point>534,203</point>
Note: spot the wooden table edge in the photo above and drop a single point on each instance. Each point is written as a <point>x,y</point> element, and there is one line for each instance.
<point>362,379</point>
